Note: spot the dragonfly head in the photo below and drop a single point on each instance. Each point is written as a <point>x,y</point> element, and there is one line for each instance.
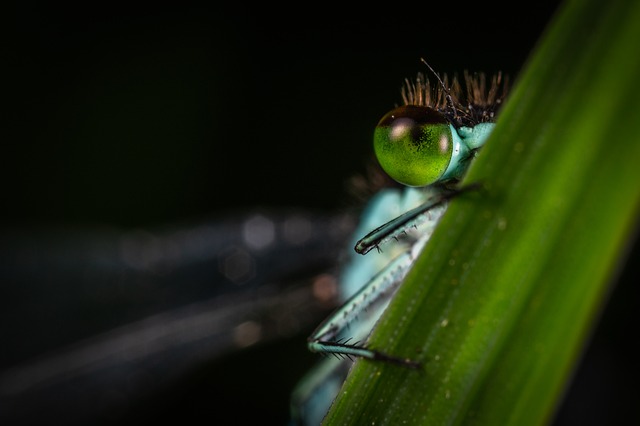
<point>414,144</point>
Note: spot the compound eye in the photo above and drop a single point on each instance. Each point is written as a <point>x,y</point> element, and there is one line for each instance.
<point>413,145</point>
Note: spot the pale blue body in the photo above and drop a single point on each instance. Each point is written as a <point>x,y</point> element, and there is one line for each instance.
<point>383,270</point>
<point>465,140</point>
<point>315,393</point>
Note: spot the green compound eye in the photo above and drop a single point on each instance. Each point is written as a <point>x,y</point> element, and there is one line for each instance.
<point>413,145</point>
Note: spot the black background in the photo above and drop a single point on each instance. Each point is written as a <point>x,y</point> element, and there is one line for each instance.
<point>136,117</point>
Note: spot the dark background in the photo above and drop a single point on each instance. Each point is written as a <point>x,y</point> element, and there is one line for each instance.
<point>138,117</point>
<point>131,117</point>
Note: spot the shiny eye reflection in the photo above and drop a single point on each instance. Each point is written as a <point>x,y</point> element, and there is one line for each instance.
<point>413,145</point>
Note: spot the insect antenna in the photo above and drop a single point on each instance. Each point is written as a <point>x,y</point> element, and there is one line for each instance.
<point>447,91</point>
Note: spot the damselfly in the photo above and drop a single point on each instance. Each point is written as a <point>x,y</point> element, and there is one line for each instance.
<point>426,145</point>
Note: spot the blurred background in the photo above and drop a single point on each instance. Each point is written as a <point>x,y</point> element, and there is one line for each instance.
<point>175,200</point>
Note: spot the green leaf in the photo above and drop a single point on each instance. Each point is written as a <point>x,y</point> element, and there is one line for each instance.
<point>501,302</point>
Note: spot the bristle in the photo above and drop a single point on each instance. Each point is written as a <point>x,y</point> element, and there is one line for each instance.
<point>473,102</point>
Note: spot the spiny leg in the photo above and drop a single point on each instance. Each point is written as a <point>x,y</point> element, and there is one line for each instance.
<point>380,288</point>
<point>431,210</point>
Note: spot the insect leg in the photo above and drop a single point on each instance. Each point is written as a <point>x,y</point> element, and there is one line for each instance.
<point>381,286</point>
